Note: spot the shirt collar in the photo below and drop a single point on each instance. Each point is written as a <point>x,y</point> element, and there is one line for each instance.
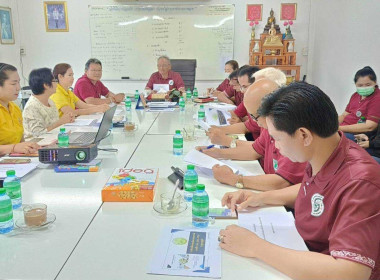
<point>61,89</point>
<point>331,166</point>
<point>88,79</point>
<point>170,75</point>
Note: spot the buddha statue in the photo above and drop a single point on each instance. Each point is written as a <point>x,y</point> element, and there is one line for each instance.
<point>271,20</point>
<point>272,40</point>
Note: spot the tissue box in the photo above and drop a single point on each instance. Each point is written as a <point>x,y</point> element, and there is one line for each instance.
<point>131,185</point>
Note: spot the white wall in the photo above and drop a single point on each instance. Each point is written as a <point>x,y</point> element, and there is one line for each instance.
<point>345,38</point>
<point>11,53</point>
<point>49,48</point>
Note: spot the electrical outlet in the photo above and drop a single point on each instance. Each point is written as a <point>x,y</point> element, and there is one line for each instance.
<point>22,51</point>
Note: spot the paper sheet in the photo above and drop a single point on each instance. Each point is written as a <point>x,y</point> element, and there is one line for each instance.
<point>222,106</point>
<point>161,87</point>
<point>187,252</point>
<point>213,119</point>
<point>161,110</point>
<point>21,169</point>
<point>276,228</point>
<point>204,125</point>
<point>161,104</point>
<point>80,122</point>
<point>202,160</point>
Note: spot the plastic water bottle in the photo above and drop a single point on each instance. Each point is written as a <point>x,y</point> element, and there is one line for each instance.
<point>178,143</point>
<point>137,94</point>
<point>12,185</point>
<point>6,213</point>
<point>362,119</point>
<point>201,113</point>
<point>181,104</point>
<point>200,207</point>
<point>188,94</point>
<point>190,182</point>
<point>195,93</point>
<point>63,138</point>
<point>128,104</point>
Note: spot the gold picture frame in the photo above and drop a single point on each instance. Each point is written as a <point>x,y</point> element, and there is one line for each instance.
<point>7,35</point>
<point>288,11</point>
<point>56,19</point>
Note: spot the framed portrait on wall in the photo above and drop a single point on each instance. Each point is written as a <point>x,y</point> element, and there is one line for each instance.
<point>254,12</point>
<point>56,16</point>
<point>288,11</point>
<point>6,26</point>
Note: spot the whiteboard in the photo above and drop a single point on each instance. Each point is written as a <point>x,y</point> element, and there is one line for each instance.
<point>128,39</point>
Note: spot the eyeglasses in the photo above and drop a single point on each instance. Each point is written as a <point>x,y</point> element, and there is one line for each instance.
<point>55,80</point>
<point>244,88</point>
<point>162,65</point>
<point>254,117</point>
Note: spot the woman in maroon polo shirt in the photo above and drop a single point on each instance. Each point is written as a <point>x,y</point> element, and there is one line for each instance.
<point>362,113</point>
<point>337,204</point>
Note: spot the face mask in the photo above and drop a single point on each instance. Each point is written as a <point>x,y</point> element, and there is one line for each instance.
<point>365,91</point>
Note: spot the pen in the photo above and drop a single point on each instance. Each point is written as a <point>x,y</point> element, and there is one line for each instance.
<point>208,147</point>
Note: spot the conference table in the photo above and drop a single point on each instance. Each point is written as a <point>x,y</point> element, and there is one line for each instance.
<point>114,240</point>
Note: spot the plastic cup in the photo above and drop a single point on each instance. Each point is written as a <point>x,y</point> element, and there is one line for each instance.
<point>35,214</point>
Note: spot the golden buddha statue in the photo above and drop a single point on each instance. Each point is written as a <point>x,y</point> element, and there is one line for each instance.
<point>272,40</point>
<point>271,19</point>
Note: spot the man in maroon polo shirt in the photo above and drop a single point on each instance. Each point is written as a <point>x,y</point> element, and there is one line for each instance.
<point>336,206</point>
<point>280,172</point>
<point>165,76</point>
<point>90,89</point>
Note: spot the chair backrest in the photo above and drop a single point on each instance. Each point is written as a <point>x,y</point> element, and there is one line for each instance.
<point>187,69</point>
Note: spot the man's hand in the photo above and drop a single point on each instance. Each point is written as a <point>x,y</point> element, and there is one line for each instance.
<point>223,174</point>
<point>242,197</point>
<point>218,137</point>
<point>234,119</point>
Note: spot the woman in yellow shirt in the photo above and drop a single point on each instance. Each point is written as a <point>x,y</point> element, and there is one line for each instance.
<point>65,100</point>
<point>11,129</point>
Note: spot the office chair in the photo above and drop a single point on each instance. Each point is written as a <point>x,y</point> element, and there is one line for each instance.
<point>186,68</point>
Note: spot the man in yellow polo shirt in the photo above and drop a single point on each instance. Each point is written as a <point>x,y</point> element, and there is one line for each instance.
<point>11,129</point>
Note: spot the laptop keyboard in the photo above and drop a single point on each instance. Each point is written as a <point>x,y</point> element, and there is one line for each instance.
<point>221,117</point>
<point>85,137</point>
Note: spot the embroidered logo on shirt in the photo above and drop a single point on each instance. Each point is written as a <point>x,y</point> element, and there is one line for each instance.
<point>358,114</point>
<point>317,205</point>
<point>275,164</point>
<point>171,82</point>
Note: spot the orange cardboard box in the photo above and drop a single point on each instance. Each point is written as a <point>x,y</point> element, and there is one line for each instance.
<point>131,185</point>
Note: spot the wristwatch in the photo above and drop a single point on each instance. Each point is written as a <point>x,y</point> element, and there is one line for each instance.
<point>239,184</point>
<point>233,143</point>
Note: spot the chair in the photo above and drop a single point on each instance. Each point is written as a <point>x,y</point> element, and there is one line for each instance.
<point>186,68</point>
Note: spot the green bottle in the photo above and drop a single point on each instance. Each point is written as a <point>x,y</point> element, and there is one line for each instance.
<point>63,138</point>
<point>200,205</point>
<point>188,94</point>
<point>137,94</point>
<point>195,93</point>
<point>128,104</point>
<point>362,119</point>
<point>201,113</point>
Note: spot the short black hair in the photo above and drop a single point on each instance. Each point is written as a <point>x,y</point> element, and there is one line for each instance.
<point>233,63</point>
<point>248,70</point>
<point>4,68</point>
<point>366,71</point>
<point>38,78</point>
<point>92,61</point>
<point>301,105</point>
<point>233,74</point>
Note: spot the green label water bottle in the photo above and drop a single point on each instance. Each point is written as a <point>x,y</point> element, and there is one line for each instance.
<point>181,104</point>
<point>195,93</point>
<point>128,104</point>
<point>177,143</point>
<point>362,119</point>
<point>63,138</point>
<point>200,207</point>
<point>6,213</point>
<point>188,94</point>
<point>201,113</point>
<point>137,94</point>
<point>190,182</point>
<point>12,185</point>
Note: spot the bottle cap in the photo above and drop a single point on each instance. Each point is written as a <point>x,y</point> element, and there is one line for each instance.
<point>62,129</point>
<point>200,187</point>
<point>202,106</point>
<point>190,167</point>
<point>2,191</point>
<point>11,172</point>
<point>178,132</point>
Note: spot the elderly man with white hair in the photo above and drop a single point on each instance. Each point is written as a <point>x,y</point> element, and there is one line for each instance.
<point>165,76</point>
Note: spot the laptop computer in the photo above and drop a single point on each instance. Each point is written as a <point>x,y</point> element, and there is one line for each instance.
<point>82,138</point>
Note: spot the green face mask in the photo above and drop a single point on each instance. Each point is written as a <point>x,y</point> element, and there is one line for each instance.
<point>365,91</point>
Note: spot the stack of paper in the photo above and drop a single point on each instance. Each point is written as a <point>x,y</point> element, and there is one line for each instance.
<point>276,228</point>
<point>21,169</point>
<point>202,160</point>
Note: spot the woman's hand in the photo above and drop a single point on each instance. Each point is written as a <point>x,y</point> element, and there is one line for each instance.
<point>239,241</point>
<point>26,148</point>
<point>67,117</point>
<point>244,198</point>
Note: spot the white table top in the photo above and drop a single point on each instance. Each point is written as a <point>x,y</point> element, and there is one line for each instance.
<point>91,240</point>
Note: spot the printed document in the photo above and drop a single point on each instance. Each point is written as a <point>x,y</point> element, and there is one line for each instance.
<point>187,252</point>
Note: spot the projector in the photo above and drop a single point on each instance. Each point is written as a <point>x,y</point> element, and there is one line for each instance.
<point>68,155</point>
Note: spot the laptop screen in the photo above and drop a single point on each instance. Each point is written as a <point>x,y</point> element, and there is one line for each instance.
<point>105,124</point>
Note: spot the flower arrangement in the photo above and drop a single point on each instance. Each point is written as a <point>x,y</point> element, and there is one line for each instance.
<point>288,32</point>
<point>253,24</point>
